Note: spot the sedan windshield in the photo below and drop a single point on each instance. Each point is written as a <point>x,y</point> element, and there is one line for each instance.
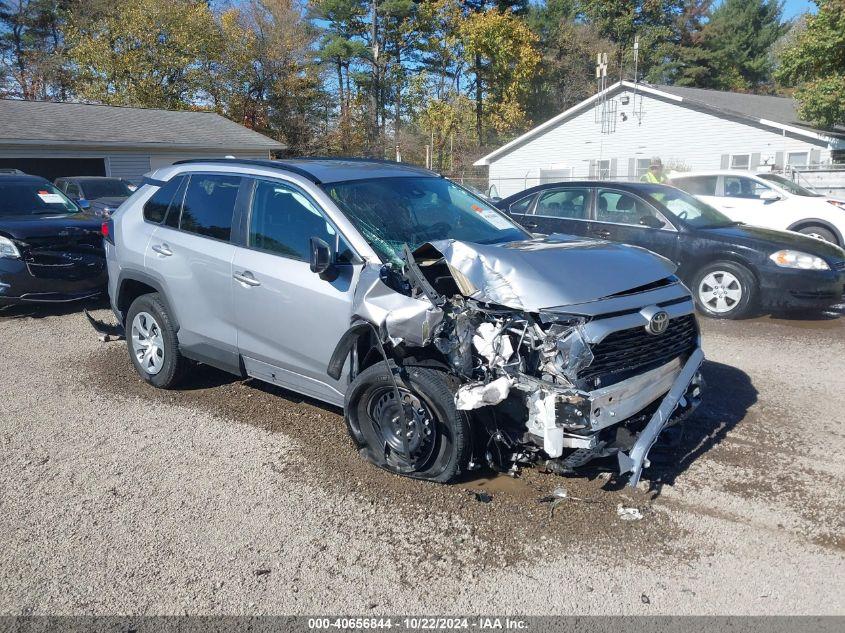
<point>33,198</point>
<point>687,208</point>
<point>111,188</point>
<point>390,212</point>
<point>791,187</point>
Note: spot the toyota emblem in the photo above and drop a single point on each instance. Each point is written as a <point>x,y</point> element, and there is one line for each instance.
<point>658,323</point>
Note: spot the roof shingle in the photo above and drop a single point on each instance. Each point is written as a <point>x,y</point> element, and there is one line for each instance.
<point>80,124</point>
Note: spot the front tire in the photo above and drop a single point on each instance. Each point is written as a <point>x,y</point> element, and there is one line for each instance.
<point>152,343</point>
<point>820,233</point>
<point>725,290</point>
<point>438,435</point>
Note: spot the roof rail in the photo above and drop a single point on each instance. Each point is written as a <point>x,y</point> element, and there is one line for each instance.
<point>356,159</point>
<point>253,161</point>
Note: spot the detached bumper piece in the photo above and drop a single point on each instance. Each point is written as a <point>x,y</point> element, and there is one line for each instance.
<point>637,458</point>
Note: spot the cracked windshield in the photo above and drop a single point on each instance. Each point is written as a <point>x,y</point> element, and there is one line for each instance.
<point>390,212</point>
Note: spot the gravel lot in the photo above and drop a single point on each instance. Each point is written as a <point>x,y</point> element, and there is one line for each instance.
<point>230,497</point>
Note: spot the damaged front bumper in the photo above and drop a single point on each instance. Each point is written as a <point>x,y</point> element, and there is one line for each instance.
<point>590,378</point>
<point>637,458</point>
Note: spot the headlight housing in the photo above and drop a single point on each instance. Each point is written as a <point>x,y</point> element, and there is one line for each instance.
<point>8,249</point>
<point>837,203</point>
<point>799,260</point>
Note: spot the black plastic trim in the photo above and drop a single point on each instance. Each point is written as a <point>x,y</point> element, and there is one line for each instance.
<point>254,162</point>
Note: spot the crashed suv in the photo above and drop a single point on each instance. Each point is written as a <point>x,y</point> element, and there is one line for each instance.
<point>450,336</point>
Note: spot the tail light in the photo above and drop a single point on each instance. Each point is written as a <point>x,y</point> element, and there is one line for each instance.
<point>107,229</point>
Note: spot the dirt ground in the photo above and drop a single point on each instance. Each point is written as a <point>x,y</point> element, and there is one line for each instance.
<point>234,497</point>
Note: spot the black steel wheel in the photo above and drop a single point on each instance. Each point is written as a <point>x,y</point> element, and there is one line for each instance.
<point>430,441</point>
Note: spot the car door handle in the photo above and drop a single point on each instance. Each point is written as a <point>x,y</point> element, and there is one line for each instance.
<point>247,278</point>
<point>602,233</point>
<point>163,250</point>
<point>531,225</point>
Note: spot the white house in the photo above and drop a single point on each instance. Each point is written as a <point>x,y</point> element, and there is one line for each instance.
<point>77,139</point>
<point>615,133</point>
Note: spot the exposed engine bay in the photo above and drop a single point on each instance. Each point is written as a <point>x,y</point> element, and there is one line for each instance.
<point>556,386</point>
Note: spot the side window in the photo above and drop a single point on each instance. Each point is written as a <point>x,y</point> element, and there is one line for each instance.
<point>520,207</point>
<point>698,185</point>
<point>283,221</point>
<point>156,207</point>
<point>209,205</point>
<point>564,203</point>
<point>739,187</point>
<point>621,208</point>
<point>72,190</point>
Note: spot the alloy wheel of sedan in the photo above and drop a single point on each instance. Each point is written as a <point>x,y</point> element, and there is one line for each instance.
<point>720,291</point>
<point>147,343</point>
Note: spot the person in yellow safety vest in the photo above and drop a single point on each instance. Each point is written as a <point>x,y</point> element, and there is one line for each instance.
<point>655,174</point>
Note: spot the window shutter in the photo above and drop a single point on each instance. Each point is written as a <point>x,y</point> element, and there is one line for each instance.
<point>815,156</point>
<point>726,161</point>
<point>779,160</point>
<point>592,169</point>
<point>755,161</point>
<point>632,169</point>
<point>614,165</point>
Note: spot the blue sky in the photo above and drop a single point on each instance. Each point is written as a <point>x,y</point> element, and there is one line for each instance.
<point>791,8</point>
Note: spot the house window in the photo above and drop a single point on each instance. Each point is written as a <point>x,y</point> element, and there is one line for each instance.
<point>740,161</point>
<point>798,159</point>
<point>603,168</point>
<point>837,157</point>
<point>642,166</point>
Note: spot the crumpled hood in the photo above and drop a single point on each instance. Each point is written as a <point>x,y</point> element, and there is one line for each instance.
<point>550,272</point>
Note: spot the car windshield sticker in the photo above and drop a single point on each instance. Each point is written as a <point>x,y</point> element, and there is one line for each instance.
<point>491,217</point>
<point>50,198</point>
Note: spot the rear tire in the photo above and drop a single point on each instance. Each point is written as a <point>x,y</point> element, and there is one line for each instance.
<point>152,343</point>
<point>725,290</point>
<point>439,442</point>
<point>819,232</point>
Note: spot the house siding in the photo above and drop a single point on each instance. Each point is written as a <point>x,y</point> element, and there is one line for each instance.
<point>128,166</point>
<point>684,138</point>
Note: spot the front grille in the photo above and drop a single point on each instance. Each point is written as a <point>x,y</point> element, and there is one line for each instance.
<point>628,352</point>
<point>839,266</point>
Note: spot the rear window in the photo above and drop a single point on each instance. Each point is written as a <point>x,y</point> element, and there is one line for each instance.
<point>697,185</point>
<point>106,188</point>
<point>156,207</point>
<point>209,205</point>
<point>33,198</point>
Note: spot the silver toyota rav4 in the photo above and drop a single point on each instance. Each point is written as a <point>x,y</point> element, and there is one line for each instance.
<point>449,335</point>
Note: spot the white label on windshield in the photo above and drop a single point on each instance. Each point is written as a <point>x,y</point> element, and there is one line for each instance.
<point>50,198</point>
<point>492,217</point>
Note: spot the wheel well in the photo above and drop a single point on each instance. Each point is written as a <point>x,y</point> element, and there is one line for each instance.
<point>803,224</point>
<point>130,290</point>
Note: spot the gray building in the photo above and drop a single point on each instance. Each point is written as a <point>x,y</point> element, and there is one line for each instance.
<point>76,139</point>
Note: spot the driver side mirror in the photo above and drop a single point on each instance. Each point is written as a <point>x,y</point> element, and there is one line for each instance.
<point>321,256</point>
<point>83,204</point>
<point>652,222</point>
<point>769,196</point>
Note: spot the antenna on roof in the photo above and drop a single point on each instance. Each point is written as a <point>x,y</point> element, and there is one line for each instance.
<point>638,108</point>
<point>605,110</point>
